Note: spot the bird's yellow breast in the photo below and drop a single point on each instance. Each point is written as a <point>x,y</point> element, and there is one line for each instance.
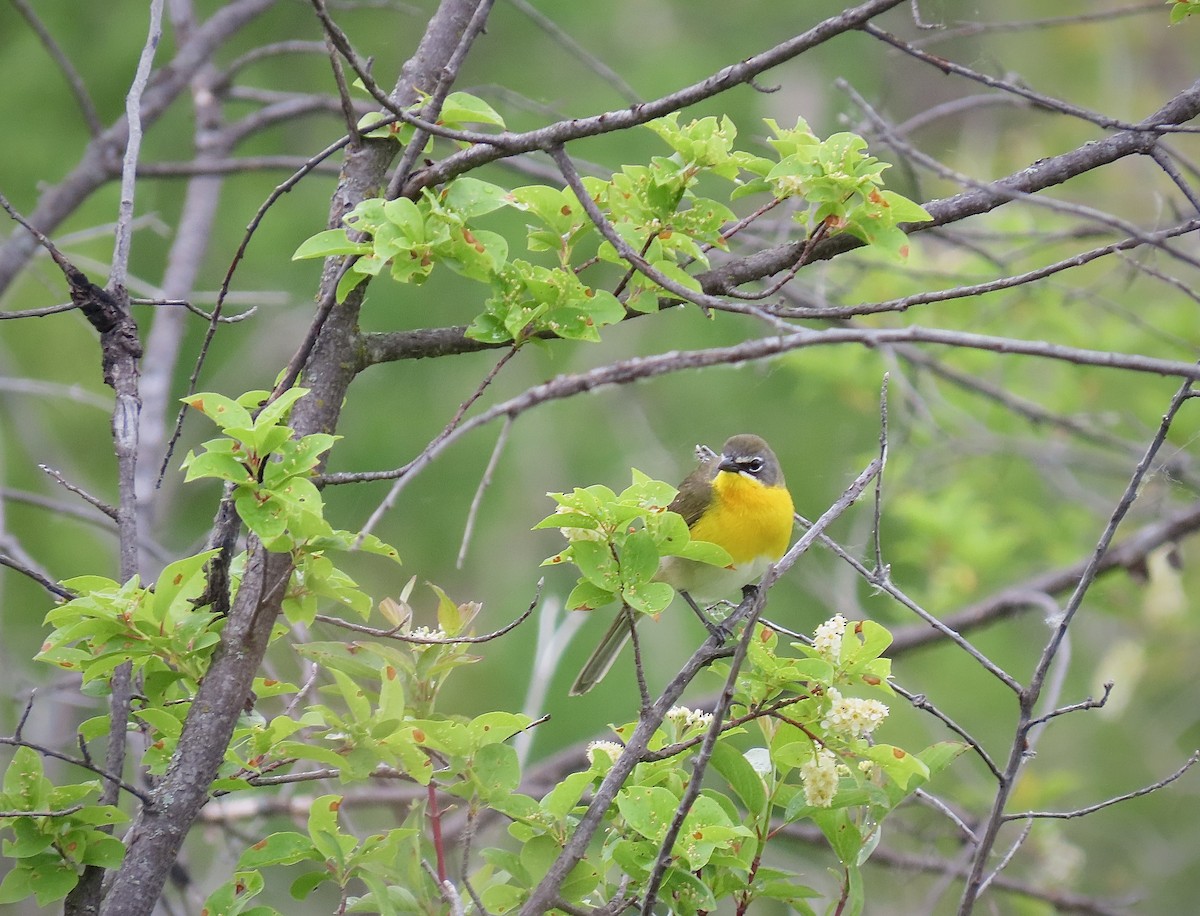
<point>748,519</point>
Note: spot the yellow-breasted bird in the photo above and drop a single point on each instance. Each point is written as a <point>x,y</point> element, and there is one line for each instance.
<point>737,500</point>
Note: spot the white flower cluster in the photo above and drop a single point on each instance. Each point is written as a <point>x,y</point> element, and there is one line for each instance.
<point>428,633</point>
<point>851,716</point>
<point>686,719</point>
<point>608,750</point>
<point>820,778</point>
<point>828,638</point>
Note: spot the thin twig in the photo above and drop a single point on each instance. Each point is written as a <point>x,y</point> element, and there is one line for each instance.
<point>1021,747</point>
<point>1038,98</point>
<point>1083,705</point>
<point>110,778</point>
<point>394,632</point>
<point>281,189</point>
<point>502,146</point>
<point>87,497</point>
<point>877,522</point>
<point>631,370</point>
<point>884,583</point>
<point>970,291</point>
<point>339,78</point>
<point>1100,806</point>
<point>433,105</point>
<point>44,581</point>
<point>78,88</point>
<point>577,51</point>
<point>394,492</point>
<point>921,702</point>
<point>477,500</point>
<point>133,114</point>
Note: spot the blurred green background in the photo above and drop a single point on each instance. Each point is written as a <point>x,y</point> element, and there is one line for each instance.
<point>976,497</point>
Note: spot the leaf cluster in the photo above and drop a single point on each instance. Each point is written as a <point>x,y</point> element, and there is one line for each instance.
<point>55,833</point>
<point>654,208</point>
<point>616,541</point>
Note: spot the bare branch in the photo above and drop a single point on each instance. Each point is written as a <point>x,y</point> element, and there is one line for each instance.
<point>1021,746</point>
<point>628,371</point>
<point>80,492</point>
<point>133,146</point>
<point>110,778</point>
<point>1100,806</point>
<point>553,135</point>
<point>578,51</point>
<point>98,164</point>
<point>1126,554</point>
<point>984,197</point>
<point>398,634</point>
<point>40,578</point>
<point>1039,99</point>
<point>484,482</point>
<point>78,89</point>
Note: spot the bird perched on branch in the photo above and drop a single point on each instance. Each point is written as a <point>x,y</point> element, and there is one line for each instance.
<point>737,500</point>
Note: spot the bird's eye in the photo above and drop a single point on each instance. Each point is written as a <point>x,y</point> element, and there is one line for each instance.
<point>754,465</point>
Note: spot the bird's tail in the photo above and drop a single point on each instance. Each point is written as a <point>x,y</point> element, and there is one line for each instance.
<point>606,653</point>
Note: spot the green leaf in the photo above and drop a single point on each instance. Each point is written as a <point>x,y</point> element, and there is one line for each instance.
<point>32,838</point>
<point>648,597</point>
<point>95,815</point>
<point>215,464</point>
<point>177,583</point>
<point>639,558</point>
<point>493,727</point>
<point>565,796</point>
<point>408,217</point>
<point>285,848</point>
<point>597,563</point>
<point>329,243</point>
<point>475,253</point>
<point>745,781</point>
<point>489,329</point>
<point>691,895</point>
<point>48,877</point>
<point>353,694</point>
<point>307,883</point>
<point>648,809</point>
<point>162,721</point>
<point>841,832</point>
<point>223,411</point>
<point>351,658</point>
<point>587,596</point>
<point>904,210</point>
<point>938,756</point>
<point>103,851</point>
<point>323,827</point>
<point>349,282</point>
<point>464,108</point>
<point>470,197</point>
<point>495,771</point>
<point>391,694</point>
<point>900,766</point>
<point>278,409</point>
<point>705,552</point>
<point>23,780</point>
<point>16,885</point>
<point>559,209</point>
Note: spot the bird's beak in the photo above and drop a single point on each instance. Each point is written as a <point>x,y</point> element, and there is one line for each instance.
<point>728,464</point>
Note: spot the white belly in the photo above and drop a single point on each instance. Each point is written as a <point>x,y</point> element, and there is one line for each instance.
<point>707,583</point>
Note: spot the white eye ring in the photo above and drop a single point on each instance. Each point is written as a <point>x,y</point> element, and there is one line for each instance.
<point>754,465</point>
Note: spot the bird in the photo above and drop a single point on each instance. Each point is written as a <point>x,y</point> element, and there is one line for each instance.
<point>737,500</point>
